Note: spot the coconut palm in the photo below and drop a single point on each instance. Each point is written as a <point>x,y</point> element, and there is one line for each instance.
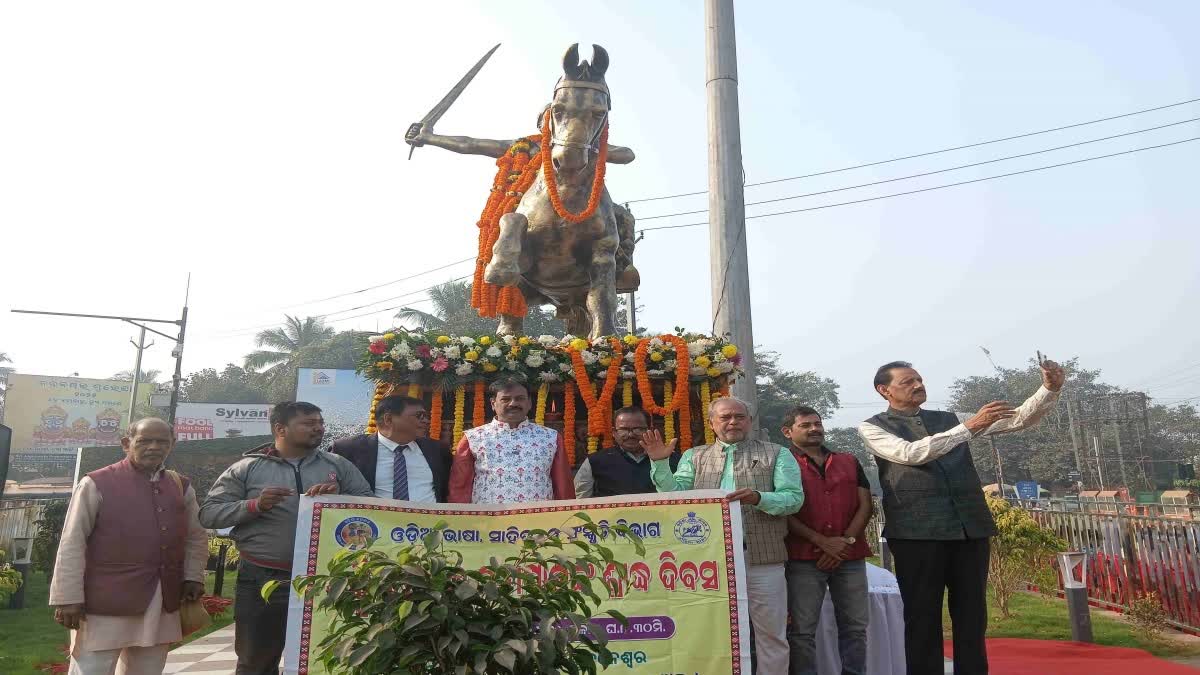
<point>283,345</point>
<point>452,313</point>
<point>145,377</point>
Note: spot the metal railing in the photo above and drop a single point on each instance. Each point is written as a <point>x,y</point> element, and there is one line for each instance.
<point>1130,556</point>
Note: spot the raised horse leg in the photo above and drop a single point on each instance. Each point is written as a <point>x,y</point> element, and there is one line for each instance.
<point>505,266</point>
<point>602,295</point>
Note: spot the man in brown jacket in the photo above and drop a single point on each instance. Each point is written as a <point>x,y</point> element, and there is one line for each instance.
<point>132,550</point>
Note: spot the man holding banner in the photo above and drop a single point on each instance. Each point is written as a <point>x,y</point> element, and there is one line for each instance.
<point>765,478</point>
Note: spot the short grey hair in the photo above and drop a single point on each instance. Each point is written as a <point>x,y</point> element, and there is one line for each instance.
<point>728,399</point>
<point>133,429</point>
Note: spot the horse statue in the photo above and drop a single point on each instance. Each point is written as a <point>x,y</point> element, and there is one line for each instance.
<point>566,243</point>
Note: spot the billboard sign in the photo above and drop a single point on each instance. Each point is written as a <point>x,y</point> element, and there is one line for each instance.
<point>59,414</point>
<point>1027,489</point>
<point>204,421</point>
<point>343,396</point>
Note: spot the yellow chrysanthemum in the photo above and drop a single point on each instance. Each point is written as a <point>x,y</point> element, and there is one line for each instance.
<point>471,356</point>
<point>443,339</point>
<point>489,367</point>
<point>389,336</point>
<point>713,372</point>
<point>656,356</point>
<point>729,351</point>
<point>579,344</point>
<point>485,340</point>
<point>630,340</point>
<point>384,365</point>
<point>605,361</point>
<point>523,340</point>
<point>703,361</point>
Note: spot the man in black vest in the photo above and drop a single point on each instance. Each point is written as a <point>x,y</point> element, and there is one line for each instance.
<point>936,520</point>
<point>400,461</point>
<point>623,470</point>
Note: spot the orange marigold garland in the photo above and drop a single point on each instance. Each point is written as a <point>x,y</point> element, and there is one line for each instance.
<point>679,398</point>
<point>569,421</point>
<point>597,405</point>
<point>478,413</point>
<point>552,183</point>
<point>514,176</point>
<point>435,416</point>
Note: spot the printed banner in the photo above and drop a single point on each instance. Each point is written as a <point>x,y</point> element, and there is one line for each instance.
<point>204,421</point>
<point>685,599</point>
<point>50,414</point>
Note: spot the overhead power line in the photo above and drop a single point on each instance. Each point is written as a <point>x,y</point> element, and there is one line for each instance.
<point>936,187</point>
<point>931,152</point>
<point>931,173</point>
<point>378,286</point>
<point>388,309</point>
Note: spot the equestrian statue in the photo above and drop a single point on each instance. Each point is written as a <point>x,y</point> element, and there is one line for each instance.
<point>550,233</point>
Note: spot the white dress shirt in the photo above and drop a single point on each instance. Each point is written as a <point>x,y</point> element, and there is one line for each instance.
<point>420,476</point>
<point>885,444</point>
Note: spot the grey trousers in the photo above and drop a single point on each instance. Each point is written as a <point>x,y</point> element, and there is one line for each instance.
<point>847,585</point>
<point>260,628</point>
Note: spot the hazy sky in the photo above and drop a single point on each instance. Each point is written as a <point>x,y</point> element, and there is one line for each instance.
<point>259,146</point>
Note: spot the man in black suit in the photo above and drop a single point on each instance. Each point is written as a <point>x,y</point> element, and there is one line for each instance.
<point>400,462</point>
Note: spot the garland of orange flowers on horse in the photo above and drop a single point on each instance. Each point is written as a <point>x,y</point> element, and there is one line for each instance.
<point>516,173</point>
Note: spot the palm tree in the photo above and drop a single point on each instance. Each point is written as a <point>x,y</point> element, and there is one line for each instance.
<point>145,377</point>
<point>452,313</point>
<point>281,358</point>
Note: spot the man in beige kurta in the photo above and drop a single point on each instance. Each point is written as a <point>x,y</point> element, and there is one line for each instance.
<point>136,510</point>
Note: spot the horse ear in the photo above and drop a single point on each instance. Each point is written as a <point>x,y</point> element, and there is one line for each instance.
<point>599,62</point>
<point>571,66</point>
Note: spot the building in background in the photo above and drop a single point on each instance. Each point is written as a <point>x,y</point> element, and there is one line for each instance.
<point>343,396</point>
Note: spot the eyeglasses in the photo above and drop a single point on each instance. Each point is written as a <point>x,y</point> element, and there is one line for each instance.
<point>630,430</point>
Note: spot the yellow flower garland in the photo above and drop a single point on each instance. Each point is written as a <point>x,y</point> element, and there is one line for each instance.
<point>593,444</point>
<point>460,405</point>
<point>705,401</point>
<point>414,390</point>
<point>381,389</point>
<point>669,418</point>
<point>539,415</point>
<point>627,393</point>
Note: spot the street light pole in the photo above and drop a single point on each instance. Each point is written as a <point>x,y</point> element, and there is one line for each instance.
<point>137,374</point>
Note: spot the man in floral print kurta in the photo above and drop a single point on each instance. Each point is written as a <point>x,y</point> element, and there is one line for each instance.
<point>510,460</point>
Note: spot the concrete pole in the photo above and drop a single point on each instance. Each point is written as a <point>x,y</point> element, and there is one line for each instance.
<point>1074,437</point>
<point>729,269</point>
<point>631,314</point>
<point>137,375</point>
<point>1116,421</point>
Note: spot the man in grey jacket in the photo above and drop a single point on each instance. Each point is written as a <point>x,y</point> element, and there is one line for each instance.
<point>259,498</point>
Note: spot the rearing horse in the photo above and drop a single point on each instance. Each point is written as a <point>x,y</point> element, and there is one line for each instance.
<point>551,253</point>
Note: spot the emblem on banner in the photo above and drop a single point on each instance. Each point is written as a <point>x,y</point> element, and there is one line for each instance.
<point>692,530</point>
<point>355,533</point>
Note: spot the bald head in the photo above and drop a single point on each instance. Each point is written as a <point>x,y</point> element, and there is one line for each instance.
<point>730,419</point>
<point>147,443</point>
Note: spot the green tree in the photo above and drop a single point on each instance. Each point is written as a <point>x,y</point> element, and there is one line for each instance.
<point>1021,552</point>
<point>146,377</point>
<point>232,385</point>
<point>340,351</point>
<point>779,390</point>
<point>281,356</point>
<point>452,313</point>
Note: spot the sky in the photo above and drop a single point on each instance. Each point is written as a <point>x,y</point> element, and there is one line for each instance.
<point>259,148</point>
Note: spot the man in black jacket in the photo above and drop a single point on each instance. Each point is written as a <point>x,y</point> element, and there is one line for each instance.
<point>400,462</point>
<point>623,470</point>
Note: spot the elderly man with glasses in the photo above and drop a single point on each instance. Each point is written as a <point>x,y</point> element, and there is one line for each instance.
<point>625,469</point>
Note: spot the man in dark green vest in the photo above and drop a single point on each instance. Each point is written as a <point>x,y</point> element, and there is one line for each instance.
<point>936,520</point>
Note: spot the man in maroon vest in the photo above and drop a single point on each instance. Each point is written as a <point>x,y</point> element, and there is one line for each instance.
<point>826,547</point>
<point>132,549</point>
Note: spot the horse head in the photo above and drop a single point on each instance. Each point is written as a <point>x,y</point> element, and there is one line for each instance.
<point>578,111</point>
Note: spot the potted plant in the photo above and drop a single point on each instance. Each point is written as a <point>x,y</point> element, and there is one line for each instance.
<point>418,611</point>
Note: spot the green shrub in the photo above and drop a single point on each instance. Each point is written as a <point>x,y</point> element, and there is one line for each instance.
<point>1023,552</point>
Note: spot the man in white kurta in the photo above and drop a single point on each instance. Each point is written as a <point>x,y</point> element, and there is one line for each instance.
<point>135,492</point>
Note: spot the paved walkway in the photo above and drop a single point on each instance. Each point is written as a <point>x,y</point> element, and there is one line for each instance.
<point>212,654</point>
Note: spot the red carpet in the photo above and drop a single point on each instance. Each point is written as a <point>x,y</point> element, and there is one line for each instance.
<point>1012,656</point>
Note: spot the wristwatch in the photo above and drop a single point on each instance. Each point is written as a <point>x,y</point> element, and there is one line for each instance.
<point>850,540</point>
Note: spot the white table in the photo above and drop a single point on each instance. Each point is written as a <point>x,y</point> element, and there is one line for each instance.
<point>885,632</point>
